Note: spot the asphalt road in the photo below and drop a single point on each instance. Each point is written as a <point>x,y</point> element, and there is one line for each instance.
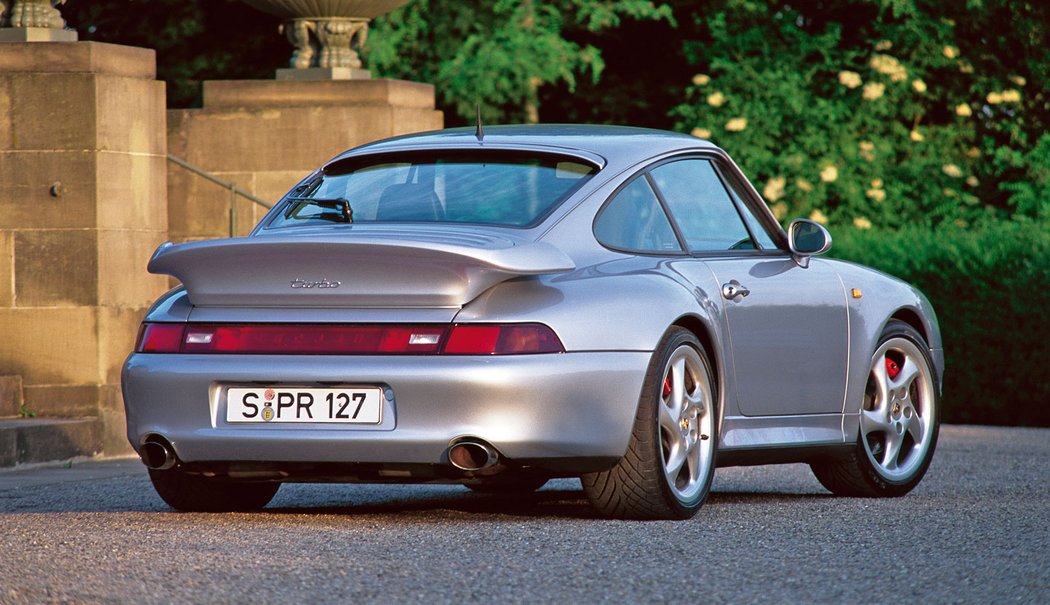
<point>977,530</point>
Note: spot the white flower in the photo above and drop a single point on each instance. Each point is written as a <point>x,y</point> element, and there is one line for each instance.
<point>701,133</point>
<point>716,99</point>
<point>890,66</point>
<point>701,79</point>
<point>867,150</point>
<point>830,174</point>
<point>916,136</point>
<point>963,110</point>
<point>1011,96</point>
<point>952,170</point>
<point>950,52</point>
<point>774,189</point>
<point>918,85</point>
<point>862,223</point>
<point>876,194</point>
<point>849,79</point>
<point>873,90</point>
<point>736,124</point>
<point>818,216</point>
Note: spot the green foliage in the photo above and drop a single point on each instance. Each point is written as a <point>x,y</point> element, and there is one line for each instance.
<point>880,113</point>
<point>195,40</point>
<point>496,54</point>
<point>25,412</point>
<point>990,285</point>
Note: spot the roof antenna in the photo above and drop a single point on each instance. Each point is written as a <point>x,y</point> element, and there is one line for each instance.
<point>480,132</point>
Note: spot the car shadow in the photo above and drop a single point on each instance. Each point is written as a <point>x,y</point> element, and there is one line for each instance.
<point>549,503</point>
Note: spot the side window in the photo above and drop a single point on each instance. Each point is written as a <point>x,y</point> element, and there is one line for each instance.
<point>702,207</point>
<point>757,230</point>
<point>634,220</point>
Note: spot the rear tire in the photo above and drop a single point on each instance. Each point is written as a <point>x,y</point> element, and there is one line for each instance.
<point>197,493</point>
<point>670,460</point>
<point>898,421</point>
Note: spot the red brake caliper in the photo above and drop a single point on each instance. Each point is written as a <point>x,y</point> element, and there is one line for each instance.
<point>892,369</point>
<point>667,386</point>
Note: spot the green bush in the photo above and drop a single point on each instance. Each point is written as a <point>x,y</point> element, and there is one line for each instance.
<point>990,286</point>
<point>878,113</point>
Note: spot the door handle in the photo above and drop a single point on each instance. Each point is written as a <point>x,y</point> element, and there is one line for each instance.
<point>734,290</point>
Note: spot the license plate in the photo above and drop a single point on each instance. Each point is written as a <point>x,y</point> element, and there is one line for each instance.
<point>361,405</point>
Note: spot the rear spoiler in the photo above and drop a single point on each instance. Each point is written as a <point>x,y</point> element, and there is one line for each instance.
<point>359,270</point>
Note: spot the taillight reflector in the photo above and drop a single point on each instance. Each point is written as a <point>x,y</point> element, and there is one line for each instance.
<point>504,339</point>
<point>312,339</point>
<point>325,339</point>
<point>159,338</point>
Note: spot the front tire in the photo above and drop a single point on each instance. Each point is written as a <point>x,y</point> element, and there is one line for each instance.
<point>670,460</point>
<point>197,493</point>
<point>898,421</point>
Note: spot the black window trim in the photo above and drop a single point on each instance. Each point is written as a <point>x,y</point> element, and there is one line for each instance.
<point>347,164</point>
<point>716,163</point>
<point>644,174</point>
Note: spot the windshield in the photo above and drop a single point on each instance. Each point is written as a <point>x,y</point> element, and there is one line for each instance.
<point>494,189</point>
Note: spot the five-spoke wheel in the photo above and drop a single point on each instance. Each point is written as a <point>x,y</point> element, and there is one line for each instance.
<point>685,422</point>
<point>667,470</point>
<point>898,421</point>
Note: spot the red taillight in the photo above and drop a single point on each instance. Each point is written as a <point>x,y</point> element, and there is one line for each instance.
<point>312,339</point>
<point>377,339</point>
<point>506,339</point>
<point>159,338</point>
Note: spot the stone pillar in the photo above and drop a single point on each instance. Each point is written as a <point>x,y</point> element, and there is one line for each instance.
<point>266,135</point>
<point>83,183</point>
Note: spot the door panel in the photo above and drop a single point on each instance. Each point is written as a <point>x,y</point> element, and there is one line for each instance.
<point>789,335</point>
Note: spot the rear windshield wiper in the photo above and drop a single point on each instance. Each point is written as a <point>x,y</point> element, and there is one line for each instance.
<point>341,206</point>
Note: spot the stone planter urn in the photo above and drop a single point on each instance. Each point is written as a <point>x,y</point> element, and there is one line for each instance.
<point>33,21</point>
<point>325,34</point>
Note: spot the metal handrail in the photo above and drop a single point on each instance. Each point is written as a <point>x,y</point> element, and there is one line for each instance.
<point>232,187</point>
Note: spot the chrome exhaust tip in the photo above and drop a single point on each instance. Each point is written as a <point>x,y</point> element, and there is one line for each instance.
<point>157,453</point>
<point>472,454</point>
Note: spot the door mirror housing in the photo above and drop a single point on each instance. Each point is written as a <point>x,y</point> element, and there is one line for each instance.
<point>807,238</point>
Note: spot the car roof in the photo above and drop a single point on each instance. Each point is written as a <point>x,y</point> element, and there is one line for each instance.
<point>623,145</point>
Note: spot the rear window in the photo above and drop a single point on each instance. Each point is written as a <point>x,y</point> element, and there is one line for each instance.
<point>494,189</point>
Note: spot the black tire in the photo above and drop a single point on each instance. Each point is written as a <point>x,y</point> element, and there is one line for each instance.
<point>523,484</point>
<point>896,416</point>
<point>646,483</point>
<point>197,493</point>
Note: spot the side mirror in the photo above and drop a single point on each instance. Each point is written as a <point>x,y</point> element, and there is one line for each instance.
<point>807,238</point>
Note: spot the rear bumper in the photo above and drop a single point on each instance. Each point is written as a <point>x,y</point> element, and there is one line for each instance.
<point>532,408</point>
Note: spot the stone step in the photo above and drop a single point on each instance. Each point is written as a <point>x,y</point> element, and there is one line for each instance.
<point>33,440</point>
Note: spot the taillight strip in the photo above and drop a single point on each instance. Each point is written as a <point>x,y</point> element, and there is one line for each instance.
<point>348,339</point>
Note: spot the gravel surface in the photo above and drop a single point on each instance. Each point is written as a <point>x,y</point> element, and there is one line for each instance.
<point>977,530</point>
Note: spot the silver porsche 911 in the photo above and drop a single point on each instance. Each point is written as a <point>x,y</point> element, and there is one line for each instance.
<point>497,309</point>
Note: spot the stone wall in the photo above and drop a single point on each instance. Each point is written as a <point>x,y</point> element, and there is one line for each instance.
<point>87,194</point>
<point>266,135</point>
<point>83,188</point>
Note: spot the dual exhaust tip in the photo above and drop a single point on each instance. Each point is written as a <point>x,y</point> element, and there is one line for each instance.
<point>471,454</point>
<point>466,454</point>
<point>158,454</point>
